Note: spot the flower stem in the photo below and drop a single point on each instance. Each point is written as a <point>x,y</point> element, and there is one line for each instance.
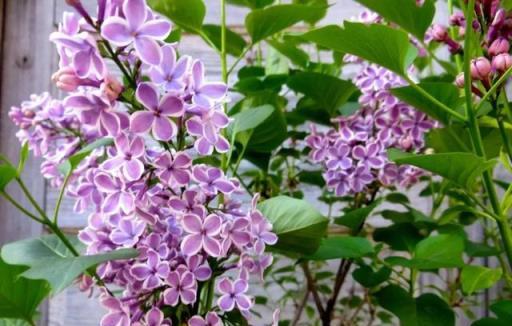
<point>476,139</point>
<point>59,200</point>
<point>19,207</point>
<point>31,199</point>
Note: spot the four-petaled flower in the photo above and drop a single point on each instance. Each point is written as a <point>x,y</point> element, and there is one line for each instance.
<point>233,294</point>
<point>211,319</point>
<point>128,157</point>
<point>202,234</point>
<point>212,180</point>
<point>170,73</point>
<point>158,114</point>
<point>152,272</point>
<point>173,170</point>
<point>136,29</point>
<point>182,286</point>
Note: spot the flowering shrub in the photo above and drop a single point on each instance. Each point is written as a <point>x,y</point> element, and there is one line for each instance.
<point>204,198</point>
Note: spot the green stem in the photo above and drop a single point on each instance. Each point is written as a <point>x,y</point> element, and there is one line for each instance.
<point>31,199</point>
<point>59,199</point>
<point>224,68</point>
<point>412,281</point>
<point>239,59</point>
<point>476,139</point>
<point>209,298</point>
<point>452,35</point>
<point>19,207</point>
<point>432,99</point>
<point>493,88</point>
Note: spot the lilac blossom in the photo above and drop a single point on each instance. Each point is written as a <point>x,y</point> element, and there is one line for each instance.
<point>212,180</point>
<point>202,234</point>
<point>182,287</point>
<point>233,295</point>
<point>173,169</point>
<point>171,72</point>
<point>128,157</point>
<point>211,319</point>
<point>152,272</point>
<point>136,29</point>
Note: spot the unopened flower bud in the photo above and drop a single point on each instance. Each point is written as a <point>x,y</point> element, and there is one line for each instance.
<point>499,18</point>
<point>459,80</point>
<point>111,88</point>
<point>500,45</point>
<point>439,33</point>
<point>457,19</point>
<point>480,68</point>
<point>66,79</point>
<point>502,62</point>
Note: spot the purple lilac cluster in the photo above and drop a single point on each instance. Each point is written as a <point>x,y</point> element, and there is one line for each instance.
<point>144,189</point>
<point>354,152</point>
<point>494,23</point>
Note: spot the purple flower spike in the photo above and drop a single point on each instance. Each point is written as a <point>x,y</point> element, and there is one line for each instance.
<point>233,294</point>
<point>128,158</point>
<point>211,319</point>
<point>157,118</point>
<point>202,234</point>
<point>182,286</point>
<point>152,272</point>
<point>135,29</point>
<point>173,171</point>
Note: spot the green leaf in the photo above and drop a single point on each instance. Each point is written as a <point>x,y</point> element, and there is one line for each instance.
<point>23,157</point>
<point>399,302</point>
<point>443,250</point>
<point>503,309</point>
<point>19,296</point>
<point>475,278</point>
<point>235,44</point>
<point>297,56</point>
<point>431,310</point>
<point>251,118</point>
<point>73,161</point>
<point>262,23</point>
<point>188,14</point>
<point>7,174</point>
<point>406,13</point>
<point>426,310</point>
<point>342,247</point>
<point>312,178</point>
<point>369,278</point>
<point>13,322</point>
<point>253,4</point>
<point>355,218</point>
<point>48,259</point>
<point>379,44</point>
<point>329,92</point>
<point>461,168</point>
<point>324,4</point>
<point>298,225</point>
<point>474,249</point>
<point>446,93</point>
<point>401,237</point>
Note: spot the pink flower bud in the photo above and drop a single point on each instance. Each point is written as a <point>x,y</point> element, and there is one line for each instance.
<point>66,79</point>
<point>459,80</point>
<point>439,32</point>
<point>457,19</point>
<point>500,45</point>
<point>111,88</point>
<point>480,68</point>
<point>502,62</point>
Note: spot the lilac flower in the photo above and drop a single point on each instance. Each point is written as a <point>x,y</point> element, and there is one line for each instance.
<point>197,266</point>
<point>136,29</point>
<point>206,128</point>
<point>338,157</point>
<point>339,181</point>
<point>205,93</point>
<point>128,232</point>
<point>157,118</point>
<point>170,73</point>
<point>191,202</point>
<point>155,317</point>
<point>118,314</point>
<point>360,178</point>
<point>128,157</point>
<point>233,294</point>
<point>212,180</point>
<point>235,233</point>
<point>369,156</point>
<point>152,272</point>
<point>182,286</point>
<point>118,197</point>
<point>95,111</point>
<point>211,319</point>
<point>173,170</point>
<point>202,234</point>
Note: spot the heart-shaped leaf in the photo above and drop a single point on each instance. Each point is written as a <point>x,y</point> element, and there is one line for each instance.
<point>342,247</point>
<point>475,278</point>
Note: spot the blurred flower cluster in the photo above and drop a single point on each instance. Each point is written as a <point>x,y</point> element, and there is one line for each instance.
<point>354,152</point>
<point>143,187</point>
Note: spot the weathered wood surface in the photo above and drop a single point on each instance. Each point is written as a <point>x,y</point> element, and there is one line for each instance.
<point>28,60</point>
